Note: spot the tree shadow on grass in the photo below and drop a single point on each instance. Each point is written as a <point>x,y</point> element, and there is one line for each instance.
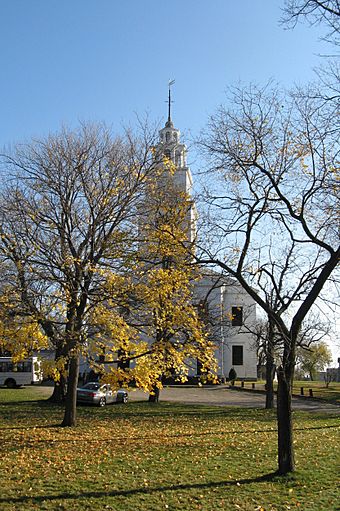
<point>42,403</point>
<point>144,409</point>
<point>151,437</point>
<point>142,491</point>
<point>141,410</point>
<point>41,426</point>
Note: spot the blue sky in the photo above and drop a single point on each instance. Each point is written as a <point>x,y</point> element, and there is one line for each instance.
<point>105,60</point>
<point>63,61</point>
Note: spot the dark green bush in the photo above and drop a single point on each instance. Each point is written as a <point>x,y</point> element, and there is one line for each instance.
<point>232,375</point>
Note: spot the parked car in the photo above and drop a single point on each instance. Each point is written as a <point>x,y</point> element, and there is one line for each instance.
<point>100,394</point>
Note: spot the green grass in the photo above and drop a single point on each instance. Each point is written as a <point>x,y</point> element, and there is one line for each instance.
<point>330,394</point>
<point>143,457</point>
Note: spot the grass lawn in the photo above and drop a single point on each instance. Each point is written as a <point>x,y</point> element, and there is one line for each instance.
<point>143,457</point>
<point>331,394</point>
<point>320,391</point>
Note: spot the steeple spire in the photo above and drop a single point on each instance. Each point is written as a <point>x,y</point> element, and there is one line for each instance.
<point>169,139</point>
<point>169,121</point>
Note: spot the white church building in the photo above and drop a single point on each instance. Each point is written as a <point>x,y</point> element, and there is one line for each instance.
<point>230,310</point>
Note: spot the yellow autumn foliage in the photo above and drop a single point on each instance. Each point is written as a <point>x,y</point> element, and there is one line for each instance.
<point>150,328</point>
<point>20,334</point>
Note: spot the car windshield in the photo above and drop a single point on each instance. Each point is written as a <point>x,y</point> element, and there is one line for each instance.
<point>92,386</point>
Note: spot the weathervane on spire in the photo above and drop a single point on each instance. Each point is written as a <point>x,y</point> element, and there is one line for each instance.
<point>171,82</point>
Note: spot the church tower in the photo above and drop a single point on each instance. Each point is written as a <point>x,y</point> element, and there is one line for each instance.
<point>220,295</point>
<point>170,146</point>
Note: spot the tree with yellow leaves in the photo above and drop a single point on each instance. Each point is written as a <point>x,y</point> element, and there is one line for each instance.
<point>68,214</point>
<point>20,333</point>
<point>163,333</point>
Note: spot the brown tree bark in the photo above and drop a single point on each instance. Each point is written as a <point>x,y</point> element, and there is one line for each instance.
<point>71,396</point>
<point>270,368</point>
<point>59,391</point>
<point>154,396</point>
<point>286,459</point>
<point>270,383</point>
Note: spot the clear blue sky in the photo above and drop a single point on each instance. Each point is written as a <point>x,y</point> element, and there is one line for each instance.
<point>68,60</point>
<point>105,60</point>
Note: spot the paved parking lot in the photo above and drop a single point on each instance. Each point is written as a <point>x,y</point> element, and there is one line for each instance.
<point>221,395</point>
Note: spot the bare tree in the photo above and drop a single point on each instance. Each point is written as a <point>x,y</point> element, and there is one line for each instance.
<point>68,212</point>
<point>273,209</point>
<point>266,345</point>
<point>267,342</point>
<point>315,12</point>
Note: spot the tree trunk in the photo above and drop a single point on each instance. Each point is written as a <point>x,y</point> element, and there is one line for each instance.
<point>71,396</point>
<point>59,391</point>
<point>60,388</point>
<point>270,367</point>
<point>270,384</point>
<point>154,396</point>
<point>284,422</point>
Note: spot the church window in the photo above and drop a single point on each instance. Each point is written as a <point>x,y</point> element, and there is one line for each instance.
<point>237,355</point>
<point>178,158</point>
<point>175,137</point>
<point>237,316</point>
<point>167,136</point>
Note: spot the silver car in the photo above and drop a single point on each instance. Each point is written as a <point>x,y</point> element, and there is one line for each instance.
<point>96,394</point>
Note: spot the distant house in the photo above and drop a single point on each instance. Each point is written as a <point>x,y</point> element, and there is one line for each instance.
<point>333,373</point>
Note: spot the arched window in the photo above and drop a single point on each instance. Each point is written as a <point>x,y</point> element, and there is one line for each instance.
<point>178,158</point>
<point>167,136</point>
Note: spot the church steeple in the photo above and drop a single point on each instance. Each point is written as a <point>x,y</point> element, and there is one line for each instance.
<point>169,146</point>
<point>169,143</point>
<point>169,123</point>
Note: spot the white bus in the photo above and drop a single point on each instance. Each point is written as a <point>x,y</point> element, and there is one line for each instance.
<point>25,372</point>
